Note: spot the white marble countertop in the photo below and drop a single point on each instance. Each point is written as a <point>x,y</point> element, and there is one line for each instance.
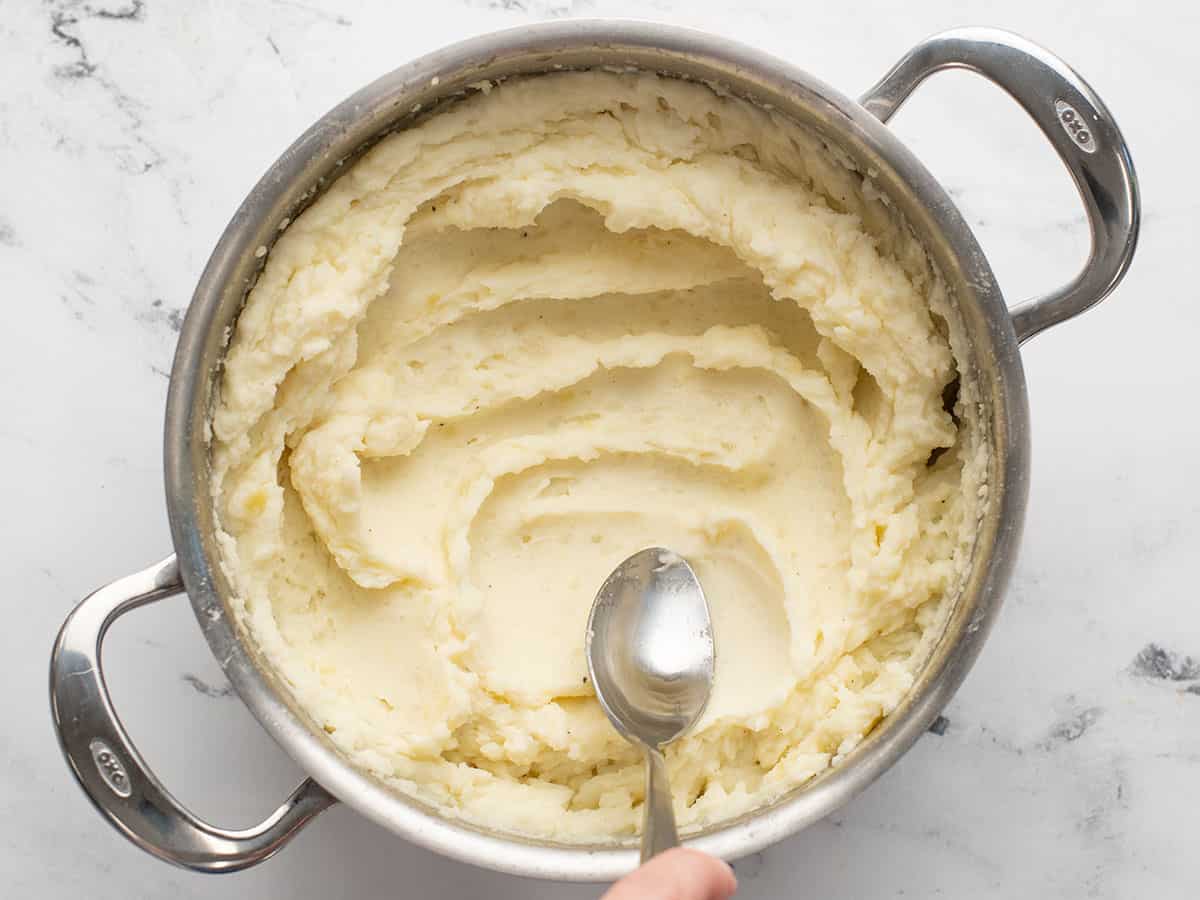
<point>1067,766</point>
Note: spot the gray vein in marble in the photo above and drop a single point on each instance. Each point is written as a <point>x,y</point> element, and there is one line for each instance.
<point>1156,662</point>
<point>1066,730</point>
<point>322,14</point>
<point>8,235</point>
<point>536,8</point>
<point>68,145</point>
<point>77,298</point>
<point>1072,728</point>
<point>133,12</point>
<point>202,687</point>
<point>60,21</point>
<point>1110,799</point>
<point>159,314</point>
<point>1000,742</point>
<point>510,5</point>
<point>79,305</point>
<point>1103,825</point>
<point>65,19</point>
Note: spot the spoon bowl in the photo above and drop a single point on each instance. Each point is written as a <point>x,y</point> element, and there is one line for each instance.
<point>651,656</point>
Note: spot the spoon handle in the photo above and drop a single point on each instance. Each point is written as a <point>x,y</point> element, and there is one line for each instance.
<point>658,829</point>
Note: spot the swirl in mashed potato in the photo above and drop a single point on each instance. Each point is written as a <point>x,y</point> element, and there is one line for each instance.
<point>564,319</point>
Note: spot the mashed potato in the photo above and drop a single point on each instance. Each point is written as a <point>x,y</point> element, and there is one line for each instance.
<point>567,318</point>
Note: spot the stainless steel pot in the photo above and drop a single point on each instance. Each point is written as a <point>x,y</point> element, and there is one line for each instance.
<point>1070,116</point>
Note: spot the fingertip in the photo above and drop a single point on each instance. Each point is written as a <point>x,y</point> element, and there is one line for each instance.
<point>731,878</point>
<point>723,878</point>
<point>678,874</point>
<point>700,876</point>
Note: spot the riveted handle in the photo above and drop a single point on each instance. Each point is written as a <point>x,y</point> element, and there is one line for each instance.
<point>1077,124</point>
<point>110,770</point>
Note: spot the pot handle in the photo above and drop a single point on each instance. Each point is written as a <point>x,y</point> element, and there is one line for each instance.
<point>110,770</point>
<point>1077,124</point>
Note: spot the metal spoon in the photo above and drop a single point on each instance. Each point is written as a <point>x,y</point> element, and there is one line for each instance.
<point>651,657</point>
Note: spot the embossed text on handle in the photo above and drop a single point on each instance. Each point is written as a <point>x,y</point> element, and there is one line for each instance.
<point>1074,125</point>
<point>110,767</point>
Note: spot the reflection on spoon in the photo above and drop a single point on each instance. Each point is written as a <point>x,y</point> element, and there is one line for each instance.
<point>651,657</point>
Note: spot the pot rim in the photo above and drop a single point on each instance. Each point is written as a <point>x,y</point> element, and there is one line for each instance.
<point>931,211</point>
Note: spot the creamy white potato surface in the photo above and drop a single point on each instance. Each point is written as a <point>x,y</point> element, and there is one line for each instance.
<point>564,319</point>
